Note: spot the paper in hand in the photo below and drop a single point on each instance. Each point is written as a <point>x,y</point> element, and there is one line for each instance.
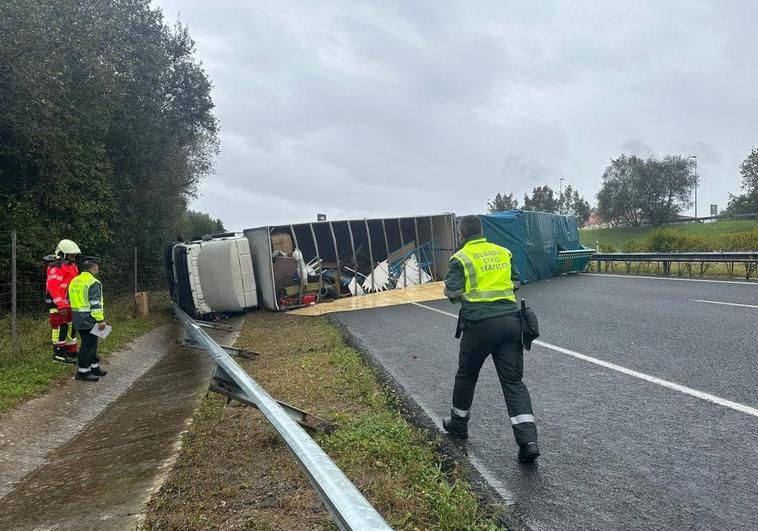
<point>101,333</point>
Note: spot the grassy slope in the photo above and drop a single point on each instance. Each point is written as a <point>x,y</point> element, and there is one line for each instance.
<point>617,237</point>
<point>32,370</point>
<point>234,471</point>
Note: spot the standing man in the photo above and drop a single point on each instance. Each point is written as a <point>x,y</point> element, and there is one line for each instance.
<point>86,295</point>
<point>483,279</point>
<point>60,272</point>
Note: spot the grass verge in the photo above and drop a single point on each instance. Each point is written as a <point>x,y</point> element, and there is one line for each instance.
<point>616,239</point>
<point>234,471</point>
<point>32,370</point>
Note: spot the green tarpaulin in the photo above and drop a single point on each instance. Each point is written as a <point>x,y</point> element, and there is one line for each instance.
<point>534,238</point>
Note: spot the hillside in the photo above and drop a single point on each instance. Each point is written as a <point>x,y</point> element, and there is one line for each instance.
<point>615,239</point>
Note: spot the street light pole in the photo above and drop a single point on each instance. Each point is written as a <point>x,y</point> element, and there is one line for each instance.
<point>694,157</point>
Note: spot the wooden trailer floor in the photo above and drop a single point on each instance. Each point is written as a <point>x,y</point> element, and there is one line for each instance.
<point>425,292</point>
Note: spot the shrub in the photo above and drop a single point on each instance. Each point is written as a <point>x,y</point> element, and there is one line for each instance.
<point>740,241</point>
<point>637,246</point>
<point>671,241</point>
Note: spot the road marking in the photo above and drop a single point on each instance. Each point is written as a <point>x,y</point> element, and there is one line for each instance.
<point>742,408</point>
<point>726,303</point>
<point>741,282</point>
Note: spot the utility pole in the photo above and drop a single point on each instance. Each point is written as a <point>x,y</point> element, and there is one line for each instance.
<point>560,196</point>
<point>694,157</point>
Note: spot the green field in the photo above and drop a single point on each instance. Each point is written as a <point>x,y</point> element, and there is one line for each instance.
<point>615,239</point>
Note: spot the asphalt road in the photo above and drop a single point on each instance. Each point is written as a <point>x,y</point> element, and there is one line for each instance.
<point>619,451</point>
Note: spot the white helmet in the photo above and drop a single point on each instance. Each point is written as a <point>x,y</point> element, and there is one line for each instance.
<point>66,247</point>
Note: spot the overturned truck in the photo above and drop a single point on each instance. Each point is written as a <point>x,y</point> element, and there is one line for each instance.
<point>282,267</point>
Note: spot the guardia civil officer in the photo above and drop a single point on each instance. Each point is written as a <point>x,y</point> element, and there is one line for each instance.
<point>86,296</point>
<point>483,280</point>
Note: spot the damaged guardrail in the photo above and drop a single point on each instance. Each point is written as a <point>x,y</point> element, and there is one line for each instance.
<point>348,507</point>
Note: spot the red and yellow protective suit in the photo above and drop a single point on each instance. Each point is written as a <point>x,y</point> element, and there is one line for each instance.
<point>59,276</point>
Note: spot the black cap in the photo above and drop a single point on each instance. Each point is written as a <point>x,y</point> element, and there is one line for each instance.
<point>88,260</point>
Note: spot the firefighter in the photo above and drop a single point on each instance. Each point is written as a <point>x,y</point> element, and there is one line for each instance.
<point>60,272</point>
<point>483,280</point>
<point>86,295</point>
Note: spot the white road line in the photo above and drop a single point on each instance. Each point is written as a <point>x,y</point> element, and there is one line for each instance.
<point>741,282</point>
<point>726,303</point>
<point>742,408</point>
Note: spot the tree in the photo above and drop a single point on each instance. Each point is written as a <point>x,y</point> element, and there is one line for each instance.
<point>501,203</point>
<point>572,204</point>
<point>200,224</point>
<point>746,203</point>
<point>543,200</point>
<point>616,201</point>
<point>665,187</point>
<point>655,189</point>
<point>106,127</point>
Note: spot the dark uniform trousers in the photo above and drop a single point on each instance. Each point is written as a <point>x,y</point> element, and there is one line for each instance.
<point>87,350</point>
<point>501,337</point>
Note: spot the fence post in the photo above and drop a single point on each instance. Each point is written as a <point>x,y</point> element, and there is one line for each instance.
<point>135,269</point>
<point>14,323</point>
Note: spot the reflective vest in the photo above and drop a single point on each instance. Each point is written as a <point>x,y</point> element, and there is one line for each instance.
<point>487,268</point>
<point>84,299</point>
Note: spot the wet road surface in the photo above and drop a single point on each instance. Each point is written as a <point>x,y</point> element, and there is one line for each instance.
<point>619,450</point>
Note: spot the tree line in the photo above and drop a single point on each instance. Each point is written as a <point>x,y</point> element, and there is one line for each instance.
<point>544,199</point>
<point>636,191</point>
<point>106,126</point>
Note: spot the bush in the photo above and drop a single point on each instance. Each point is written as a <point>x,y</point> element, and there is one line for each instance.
<point>740,241</point>
<point>637,246</point>
<point>671,241</point>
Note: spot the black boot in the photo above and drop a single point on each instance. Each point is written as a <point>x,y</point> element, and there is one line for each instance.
<point>97,371</point>
<point>59,354</point>
<point>456,426</point>
<point>86,376</point>
<point>528,452</point>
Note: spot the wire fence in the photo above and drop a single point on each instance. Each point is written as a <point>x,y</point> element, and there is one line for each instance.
<point>22,282</point>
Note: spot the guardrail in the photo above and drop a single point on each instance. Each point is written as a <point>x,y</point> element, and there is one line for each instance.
<point>642,261</point>
<point>349,509</point>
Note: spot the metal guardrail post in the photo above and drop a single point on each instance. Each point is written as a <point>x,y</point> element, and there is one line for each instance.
<point>348,507</point>
<point>14,295</point>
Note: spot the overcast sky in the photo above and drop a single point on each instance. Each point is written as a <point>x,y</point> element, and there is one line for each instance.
<point>358,109</point>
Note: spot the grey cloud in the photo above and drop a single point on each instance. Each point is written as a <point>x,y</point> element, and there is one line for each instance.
<point>387,108</point>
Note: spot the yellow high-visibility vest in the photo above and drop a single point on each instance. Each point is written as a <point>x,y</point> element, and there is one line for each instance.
<point>79,296</point>
<point>487,268</point>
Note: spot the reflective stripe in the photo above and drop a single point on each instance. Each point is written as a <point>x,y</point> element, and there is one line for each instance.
<point>453,294</point>
<point>460,412</point>
<point>476,294</point>
<point>470,269</point>
<point>520,419</point>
